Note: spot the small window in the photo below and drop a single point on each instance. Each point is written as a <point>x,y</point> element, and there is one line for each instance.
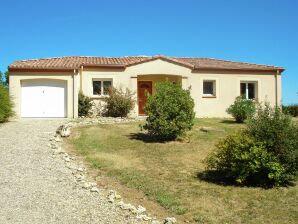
<point>106,86</point>
<point>209,88</point>
<point>101,87</point>
<point>96,87</point>
<point>248,90</point>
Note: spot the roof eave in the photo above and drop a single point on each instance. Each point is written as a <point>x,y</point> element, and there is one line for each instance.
<point>280,69</point>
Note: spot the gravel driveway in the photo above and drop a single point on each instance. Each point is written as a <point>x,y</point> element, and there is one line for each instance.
<point>36,187</point>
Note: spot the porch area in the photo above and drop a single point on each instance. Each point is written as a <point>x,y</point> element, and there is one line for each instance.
<point>147,83</point>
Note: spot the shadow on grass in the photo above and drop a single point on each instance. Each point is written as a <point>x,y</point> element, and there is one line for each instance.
<point>226,121</point>
<point>146,138</point>
<point>215,177</point>
<point>219,178</point>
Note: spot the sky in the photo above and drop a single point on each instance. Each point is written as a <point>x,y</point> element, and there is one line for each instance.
<point>256,31</point>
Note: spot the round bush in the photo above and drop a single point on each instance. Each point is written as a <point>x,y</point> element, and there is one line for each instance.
<point>241,109</point>
<point>5,104</point>
<point>170,111</point>
<point>239,158</point>
<point>265,153</point>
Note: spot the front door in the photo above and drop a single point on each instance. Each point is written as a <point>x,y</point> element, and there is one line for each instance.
<point>143,87</point>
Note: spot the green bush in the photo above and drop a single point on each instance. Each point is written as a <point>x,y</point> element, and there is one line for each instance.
<point>170,111</point>
<point>291,110</point>
<point>119,103</point>
<point>265,153</point>
<point>5,104</point>
<point>241,109</point>
<point>279,134</point>
<point>85,105</point>
<point>245,161</point>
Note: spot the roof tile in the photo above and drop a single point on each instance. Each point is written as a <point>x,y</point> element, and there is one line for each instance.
<point>74,62</point>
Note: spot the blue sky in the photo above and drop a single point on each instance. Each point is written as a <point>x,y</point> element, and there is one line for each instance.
<point>257,31</point>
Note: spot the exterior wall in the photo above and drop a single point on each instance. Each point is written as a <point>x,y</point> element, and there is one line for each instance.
<point>227,88</point>
<point>15,79</point>
<point>227,84</point>
<point>129,77</point>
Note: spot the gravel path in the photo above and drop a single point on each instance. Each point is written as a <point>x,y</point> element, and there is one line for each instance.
<point>37,187</point>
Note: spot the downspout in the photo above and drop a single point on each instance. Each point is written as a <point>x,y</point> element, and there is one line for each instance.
<point>276,87</point>
<point>73,93</point>
<point>81,73</point>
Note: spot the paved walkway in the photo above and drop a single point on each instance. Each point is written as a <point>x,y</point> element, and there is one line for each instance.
<point>36,187</point>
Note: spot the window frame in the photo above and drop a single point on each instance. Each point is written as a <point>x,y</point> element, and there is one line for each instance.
<point>213,95</point>
<point>102,80</point>
<point>247,89</point>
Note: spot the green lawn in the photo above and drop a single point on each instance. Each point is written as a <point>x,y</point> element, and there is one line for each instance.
<point>167,174</point>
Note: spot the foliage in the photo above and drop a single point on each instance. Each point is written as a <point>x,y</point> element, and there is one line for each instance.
<point>291,110</point>
<point>119,103</point>
<point>279,134</point>
<point>4,78</point>
<point>241,109</point>
<point>85,104</point>
<point>5,104</point>
<point>265,153</point>
<point>170,111</point>
<point>242,159</point>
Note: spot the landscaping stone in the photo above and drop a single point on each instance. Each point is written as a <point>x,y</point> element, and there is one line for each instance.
<point>94,189</point>
<point>170,220</point>
<point>155,222</point>
<point>80,169</point>
<point>141,209</point>
<point>143,217</point>
<point>63,130</point>
<point>86,185</point>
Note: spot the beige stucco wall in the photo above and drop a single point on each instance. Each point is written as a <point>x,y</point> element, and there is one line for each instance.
<point>16,78</point>
<point>227,84</point>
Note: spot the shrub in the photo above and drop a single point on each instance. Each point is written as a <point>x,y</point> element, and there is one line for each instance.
<point>291,110</point>
<point>5,104</point>
<point>170,111</point>
<point>119,103</point>
<point>279,134</point>
<point>265,153</point>
<point>85,104</point>
<point>239,158</point>
<point>241,109</point>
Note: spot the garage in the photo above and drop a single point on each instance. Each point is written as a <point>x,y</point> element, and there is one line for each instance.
<point>43,98</point>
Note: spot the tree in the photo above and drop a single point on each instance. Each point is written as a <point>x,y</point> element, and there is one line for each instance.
<point>4,78</point>
<point>6,74</point>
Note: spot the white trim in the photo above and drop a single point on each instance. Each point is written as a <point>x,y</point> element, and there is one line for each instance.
<point>246,89</point>
<point>215,90</point>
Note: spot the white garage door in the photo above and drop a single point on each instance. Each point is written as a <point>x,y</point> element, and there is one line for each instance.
<point>43,98</point>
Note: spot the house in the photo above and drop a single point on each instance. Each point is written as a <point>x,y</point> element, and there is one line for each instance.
<point>49,87</point>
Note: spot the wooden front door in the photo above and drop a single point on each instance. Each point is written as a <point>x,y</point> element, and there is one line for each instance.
<point>143,87</point>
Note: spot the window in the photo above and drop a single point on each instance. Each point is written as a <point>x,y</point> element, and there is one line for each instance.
<point>248,90</point>
<point>101,87</point>
<point>209,88</point>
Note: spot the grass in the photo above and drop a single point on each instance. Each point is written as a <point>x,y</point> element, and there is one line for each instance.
<point>168,174</point>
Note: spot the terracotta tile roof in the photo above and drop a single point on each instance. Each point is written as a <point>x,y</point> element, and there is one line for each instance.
<point>74,62</point>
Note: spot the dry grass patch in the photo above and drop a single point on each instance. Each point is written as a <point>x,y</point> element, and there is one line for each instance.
<point>167,174</point>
